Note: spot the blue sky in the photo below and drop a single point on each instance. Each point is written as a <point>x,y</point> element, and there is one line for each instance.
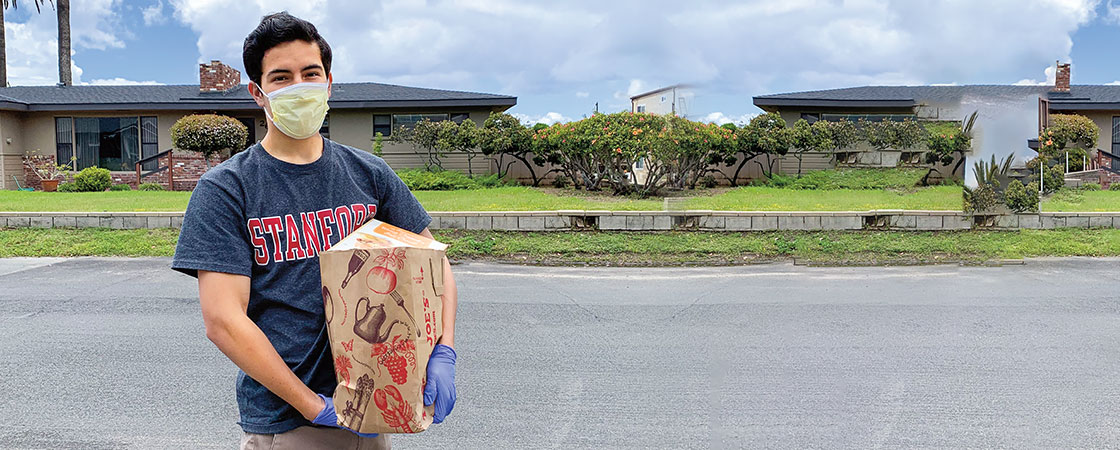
<point>561,58</point>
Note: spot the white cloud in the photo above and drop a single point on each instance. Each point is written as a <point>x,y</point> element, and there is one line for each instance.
<point>1113,83</point>
<point>118,81</point>
<point>548,118</point>
<point>153,14</point>
<point>32,46</point>
<point>1112,12</point>
<point>1048,74</point>
<point>582,94</point>
<point>720,118</point>
<point>529,49</point>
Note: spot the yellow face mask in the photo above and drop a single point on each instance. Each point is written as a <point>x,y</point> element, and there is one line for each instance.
<point>298,110</point>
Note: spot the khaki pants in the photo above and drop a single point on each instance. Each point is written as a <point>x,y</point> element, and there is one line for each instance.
<point>313,438</point>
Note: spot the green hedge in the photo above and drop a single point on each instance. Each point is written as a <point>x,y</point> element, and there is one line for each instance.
<point>448,180</point>
<point>851,179</point>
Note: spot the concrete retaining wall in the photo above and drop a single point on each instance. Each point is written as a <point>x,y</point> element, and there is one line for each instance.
<point>703,220</point>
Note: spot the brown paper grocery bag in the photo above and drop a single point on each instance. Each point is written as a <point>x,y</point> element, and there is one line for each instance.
<point>382,295</point>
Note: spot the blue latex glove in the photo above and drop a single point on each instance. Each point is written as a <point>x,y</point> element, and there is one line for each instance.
<point>441,382</point>
<point>328,417</point>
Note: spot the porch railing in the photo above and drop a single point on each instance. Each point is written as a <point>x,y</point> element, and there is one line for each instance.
<point>140,174</point>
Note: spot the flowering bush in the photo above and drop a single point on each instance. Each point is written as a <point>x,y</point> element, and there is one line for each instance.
<point>1067,133</point>
<point>208,134</point>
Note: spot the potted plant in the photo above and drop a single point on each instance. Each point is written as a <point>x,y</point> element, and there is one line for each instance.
<point>47,170</point>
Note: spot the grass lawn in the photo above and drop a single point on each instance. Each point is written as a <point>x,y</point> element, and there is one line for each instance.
<point>1082,201</point>
<point>773,199</point>
<point>530,199</point>
<point>645,248</point>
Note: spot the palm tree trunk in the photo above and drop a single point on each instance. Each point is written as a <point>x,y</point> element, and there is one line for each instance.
<point>3,52</point>
<point>64,42</point>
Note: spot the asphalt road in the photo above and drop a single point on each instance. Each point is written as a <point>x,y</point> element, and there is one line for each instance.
<point>110,353</point>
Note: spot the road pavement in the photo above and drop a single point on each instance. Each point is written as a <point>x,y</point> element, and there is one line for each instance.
<point>111,353</point>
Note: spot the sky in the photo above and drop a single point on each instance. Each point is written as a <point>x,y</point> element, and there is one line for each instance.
<point>563,59</point>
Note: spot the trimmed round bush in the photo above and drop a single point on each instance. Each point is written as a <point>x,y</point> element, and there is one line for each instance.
<point>120,187</point>
<point>151,187</point>
<point>93,179</point>
<point>68,187</point>
<point>1021,198</point>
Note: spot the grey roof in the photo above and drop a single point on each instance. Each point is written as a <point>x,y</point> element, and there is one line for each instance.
<point>1079,97</point>
<point>343,95</point>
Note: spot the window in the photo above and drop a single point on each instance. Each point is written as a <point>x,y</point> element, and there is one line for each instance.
<point>868,117</point>
<point>811,117</point>
<point>1116,135</point>
<point>460,117</point>
<point>662,99</point>
<point>641,108</point>
<point>149,141</point>
<point>325,129</point>
<point>64,139</point>
<point>640,163</point>
<point>382,123</point>
<point>410,120</point>
<point>108,142</point>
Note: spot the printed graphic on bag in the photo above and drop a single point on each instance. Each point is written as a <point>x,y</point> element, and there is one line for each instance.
<point>397,320</point>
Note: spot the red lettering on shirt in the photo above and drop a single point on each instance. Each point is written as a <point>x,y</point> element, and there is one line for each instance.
<point>359,215</point>
<point>291,231</point>
<point>260,249</point>
<point>274,226</point>
<point>347,224</point>
<point>310,234</point>
<point>325,215</point>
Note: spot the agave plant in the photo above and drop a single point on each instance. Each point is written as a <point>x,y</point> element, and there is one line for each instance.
<point>996,173</point>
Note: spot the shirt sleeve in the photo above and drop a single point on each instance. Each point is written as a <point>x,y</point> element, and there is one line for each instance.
<point>213,236</point>
<point>397,205</point>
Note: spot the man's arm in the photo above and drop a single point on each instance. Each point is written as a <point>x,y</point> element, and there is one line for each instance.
<point>450,299</point>
<point>225,300</point>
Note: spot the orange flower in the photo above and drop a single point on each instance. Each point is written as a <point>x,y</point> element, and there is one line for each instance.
<point>1049,142</point>
<point>618,150</point>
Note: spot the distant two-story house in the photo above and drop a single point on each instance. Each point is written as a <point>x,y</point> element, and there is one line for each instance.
<point>113,127</point>
<point>1009,116</point>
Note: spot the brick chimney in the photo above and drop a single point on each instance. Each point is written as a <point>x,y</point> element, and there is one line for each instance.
<point>1061,78</point>
<point>217,77</point>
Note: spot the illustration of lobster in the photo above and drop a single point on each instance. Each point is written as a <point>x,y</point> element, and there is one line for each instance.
<point>396,357</point>
<point>383,278</point>
<point>355,409</point>
<point>397,415</point>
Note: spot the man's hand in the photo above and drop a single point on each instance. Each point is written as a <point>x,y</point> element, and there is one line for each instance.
<point>329,418</point>
<point>441,382</point>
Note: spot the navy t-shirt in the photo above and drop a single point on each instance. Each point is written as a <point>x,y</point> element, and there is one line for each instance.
<point>268,219</point>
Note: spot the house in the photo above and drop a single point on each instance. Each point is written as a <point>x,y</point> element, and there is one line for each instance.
<point>674,99</point>
<point>115,126</point>
<point>1009,115</point>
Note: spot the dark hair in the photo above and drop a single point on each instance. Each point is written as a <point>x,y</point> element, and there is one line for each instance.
<point>276,29</point>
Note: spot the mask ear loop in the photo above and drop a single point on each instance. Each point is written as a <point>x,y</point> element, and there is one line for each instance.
<point>268,106</point>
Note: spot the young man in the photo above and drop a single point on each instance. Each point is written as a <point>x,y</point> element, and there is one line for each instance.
<point>252,233</point>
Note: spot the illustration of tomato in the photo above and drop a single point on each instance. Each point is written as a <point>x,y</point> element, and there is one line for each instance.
<point>381,280</point>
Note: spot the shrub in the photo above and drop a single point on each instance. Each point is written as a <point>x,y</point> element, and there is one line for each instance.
<point>151,187</point>
<point>852,179</point>
<point>68,187</point>
<point>708,181</point>
<point>561,181</point>
<point>981,199</point>
<point>93,179</point>
<point>492,181</point>
<point>1114,187</point>
<point>1021,198</point>
<point>1090,187</point>
<point>437,180</point>
<point>120,187</point>
<point>208,134</point>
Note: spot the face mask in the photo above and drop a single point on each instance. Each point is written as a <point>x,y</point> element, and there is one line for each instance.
<point>298,110</point>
